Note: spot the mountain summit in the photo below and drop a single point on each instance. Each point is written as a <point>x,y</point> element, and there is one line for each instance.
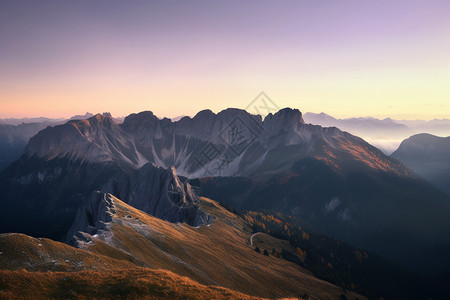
<point>230,143</point>
<point>335,182</point>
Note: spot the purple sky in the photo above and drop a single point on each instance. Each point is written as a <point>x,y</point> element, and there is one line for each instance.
<point>347,58</point>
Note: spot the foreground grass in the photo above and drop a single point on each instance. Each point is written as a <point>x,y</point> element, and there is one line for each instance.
<point>140,283</point>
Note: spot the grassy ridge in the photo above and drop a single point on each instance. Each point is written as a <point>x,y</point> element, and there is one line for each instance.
<point>138,283</point>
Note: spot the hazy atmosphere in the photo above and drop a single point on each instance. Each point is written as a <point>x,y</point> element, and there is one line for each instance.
<point>346,58</point>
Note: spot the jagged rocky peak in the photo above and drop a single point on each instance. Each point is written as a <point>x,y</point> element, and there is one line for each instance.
<point>97,119</point>
<point>205,114</point>
<point>161,193</point>
<point>286,127</point>
<point>158,189</point>
<point>145,119</point>
<point>94,216</point>
<point>286,116</point>
<point>201,125</point>
<point>87,140</point>
<point>87,115</point>
<point>225,116</point>
<point>181,193</point>
<point>232,113</point>
<point>85,128</point>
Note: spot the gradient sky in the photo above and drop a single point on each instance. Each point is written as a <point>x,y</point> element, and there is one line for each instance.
<point>347,58</point>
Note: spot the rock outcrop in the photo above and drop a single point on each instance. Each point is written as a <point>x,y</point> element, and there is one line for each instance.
<point>161,193</point>
<point>92,217</point>
<point>158,192</point>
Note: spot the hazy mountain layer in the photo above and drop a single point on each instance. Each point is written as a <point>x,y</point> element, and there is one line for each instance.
<point>15,134</point>
<point>429,156</point>
<point>371,127</point>
<point>440,127</point>
<point>13,140</point>
<point>384,134</point>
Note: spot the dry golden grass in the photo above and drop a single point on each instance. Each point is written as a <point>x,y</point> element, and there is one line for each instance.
<point>138,283</point>
<point>219,254</point>
<point>20,251</point>
<point>118,264</point>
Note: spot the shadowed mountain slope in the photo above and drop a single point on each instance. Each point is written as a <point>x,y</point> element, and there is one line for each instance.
<point>41,198</point>
<point>429,156</point>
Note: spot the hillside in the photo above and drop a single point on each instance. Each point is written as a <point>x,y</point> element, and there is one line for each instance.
<point>429,156</point>
<point>214,255</point>
<point>45,269</point>
<point>137,283</point>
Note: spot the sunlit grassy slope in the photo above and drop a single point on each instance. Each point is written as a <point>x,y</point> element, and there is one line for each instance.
<point>139,256</point>
<point>136,283</point>
<point>33,268</point>
<point>19,251</point>
<point>219,254</point>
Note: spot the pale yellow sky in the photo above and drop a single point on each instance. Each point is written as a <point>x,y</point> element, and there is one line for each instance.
<point>358,58</point>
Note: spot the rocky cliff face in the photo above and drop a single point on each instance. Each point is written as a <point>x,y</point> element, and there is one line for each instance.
<point>97,139</point>
<point>230,143</point>
<point>92,217</point>
<point>160,193</point>
<point>42,197</point>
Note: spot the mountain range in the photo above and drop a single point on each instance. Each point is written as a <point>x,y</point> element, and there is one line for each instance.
<point>67,185</point>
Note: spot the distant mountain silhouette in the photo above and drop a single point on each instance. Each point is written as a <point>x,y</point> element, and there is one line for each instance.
<point>429,156</point>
